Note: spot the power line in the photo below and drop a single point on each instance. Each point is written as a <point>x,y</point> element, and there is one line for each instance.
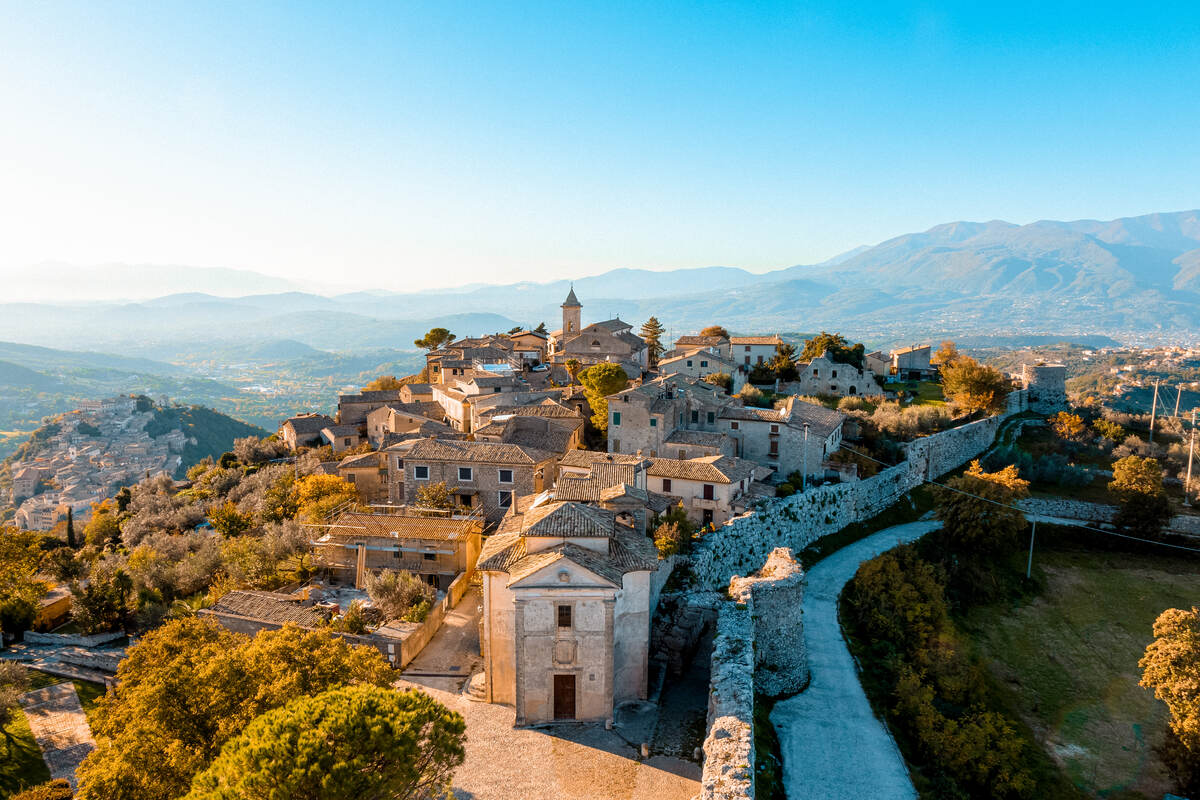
<point>1023,511</point>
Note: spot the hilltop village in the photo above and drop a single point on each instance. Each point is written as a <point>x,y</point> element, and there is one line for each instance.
<point>588,525</point>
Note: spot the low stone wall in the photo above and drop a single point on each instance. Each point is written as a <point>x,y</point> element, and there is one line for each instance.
<point>1185,525</point>
<point>742,544</point>
<point>73,639</point>
<point>758,649</point>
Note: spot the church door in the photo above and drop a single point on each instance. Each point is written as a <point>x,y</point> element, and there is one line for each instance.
<point>564,697</point>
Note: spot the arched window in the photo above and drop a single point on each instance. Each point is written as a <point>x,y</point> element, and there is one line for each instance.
<point>852,391</point>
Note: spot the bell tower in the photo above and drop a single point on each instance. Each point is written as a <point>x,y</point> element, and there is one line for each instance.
<point>571,311</point>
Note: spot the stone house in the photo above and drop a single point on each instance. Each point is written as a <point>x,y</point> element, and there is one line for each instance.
<point>304,430</point>
<point>416,393</point>
<point>567,601</point>
<point>878,364</point>
<point>696,364</point>
<point>610,469</point>
<point>912,363</point>
<point>711,488</point>
<point>368,473</point>
<point>751,350</point>
<point>530,345</point>
<point>437,548</point>
<point>457,396</point>
<point>718,345</point>
<point>641,418</point>
<point>550,434</point>
<point>425,418</point>
<point>777,438</point>
<point>341,437</point>
<point>353,408</point>
<point>478,474</point>
<point>26,481</point>
<point>822,375</point>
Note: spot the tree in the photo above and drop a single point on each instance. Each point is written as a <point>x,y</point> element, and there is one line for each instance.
<point>974,386</point>
<point>317,496</point>
<point>541,328</point>
<point>1143,508</point>
<point>652,331</point>
<point>400,595</point>
<point>945,354</point>
<point>976,510</point>
<point>353,742</point>
<point>784,362</point>
<point>574,367</point>
<point>434,495</point>
<point>189,686</point>
<point>20,589</point>
<point>228,521</point>
<point>722,379</point>
<point>104,527</point>
<point>71,528</point>
<point>599,381</point>
<point>57,789</point>
<point>434,339</point>
<point>1109,430</point>
<point>1171,667</point>
<point>14,682</point>
<point>384,383</point>
<point>105,603</point>
<point>715,330</point>
<point>1067,425</point>
<point>835,347</point>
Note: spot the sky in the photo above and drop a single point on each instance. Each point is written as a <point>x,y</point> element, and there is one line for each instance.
<point>412,145</point>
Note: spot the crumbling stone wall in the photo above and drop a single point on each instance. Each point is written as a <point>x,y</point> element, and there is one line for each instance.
<point>743,544</point>
<point>774,595</point>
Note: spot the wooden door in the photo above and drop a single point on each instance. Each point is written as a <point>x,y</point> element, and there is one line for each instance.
<point>564,697</point>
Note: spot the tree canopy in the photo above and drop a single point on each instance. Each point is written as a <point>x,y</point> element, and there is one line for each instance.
<point>319,495</point>
<point>20,588</point>
<point>384,383</point>
<point>974,386</point>
<point>435,338</point>
<point>652,331</point>
<point>835,347</point>
<point>976,512</point>
<point>190,686</point>
<point>599,381</point>
<point>355,742</point>
<point>715,330</point>
<point>1171,667</point>
<point>1142,505</point>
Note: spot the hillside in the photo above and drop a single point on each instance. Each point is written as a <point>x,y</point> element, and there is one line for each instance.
<point>213,431</point>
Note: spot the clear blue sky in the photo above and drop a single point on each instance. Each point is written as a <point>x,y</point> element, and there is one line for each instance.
<point>431,144</point>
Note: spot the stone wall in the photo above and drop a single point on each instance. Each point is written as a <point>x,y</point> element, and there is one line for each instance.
<point>743,543</point>
<point>774,596</point>
<point>1084,511</point>
<point>75,639</point>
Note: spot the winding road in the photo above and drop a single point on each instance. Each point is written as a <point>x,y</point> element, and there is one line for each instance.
<point>833,745</point>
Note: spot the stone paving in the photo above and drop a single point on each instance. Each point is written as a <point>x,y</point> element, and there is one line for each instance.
<point>60,728</point>
<point>453,652</point>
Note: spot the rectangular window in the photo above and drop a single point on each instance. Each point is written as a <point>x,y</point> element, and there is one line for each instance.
<point>747,348</point>
<point>421,473</point>
<point>689,362</point>
<point>346,442</point>
<point>350,478</point>
<point>666,484</point>
<point>708,491</point>
<point>695,416</point>
<point>747,358</point>
<point>396,553</point>
<point>733,426</point>
<point>833,374</point>
<point>616,418</point>
<point>429,556</point>
<point>616,446</point>
<point>505,499</point>
<point>653,422</point>
<point>702,364</point>
<point>465,473</point>
<point>506,476</point>
<point>564,616</point>
<point>712,417</point>
<point>774,429</point>
<point>774,449</point>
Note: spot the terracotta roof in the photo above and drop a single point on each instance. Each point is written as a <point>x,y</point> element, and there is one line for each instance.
<point>477,452</point>
<point>695,354</point>
<point>696,438</point>
<point>586,458</point>
<point>772,339</point>
<point>379,396</point>
<point>705,341</point>
<point>360,461</point>
<point>751,413</point>
<point>269,607</point>
<point>334,431</point>
<point>583,490</point>
<point>710,469</point>
<point>308,423</point>
<point>568,519</point>
<point>397,526</point>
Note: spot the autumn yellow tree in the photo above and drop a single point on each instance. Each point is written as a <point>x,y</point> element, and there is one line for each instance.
<point>319,495</point>
<point>1171,667</point>
<point>1067,425</point>
<point>974,386</point>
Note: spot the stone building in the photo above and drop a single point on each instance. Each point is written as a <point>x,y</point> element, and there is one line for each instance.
<point>776,438</point>
<point>696,363</point>
<point>341,437</point>
<point>478,474</point>
<point>711,489</point>
<point>368,473</point>
<point>912,363</point>
<point>713,344</point>
<point>642,418</point>
<point>353,408</point>
<point>1046,386</point>
<point>304,430</point>
<point>567,600</point>
<point>748,351</point>
<point>611,340</point>
<point>822,375</point>
<point>424,418</point>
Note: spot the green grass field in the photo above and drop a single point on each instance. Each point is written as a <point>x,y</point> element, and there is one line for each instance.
<point>1067,664</point>
<point>21,764</point>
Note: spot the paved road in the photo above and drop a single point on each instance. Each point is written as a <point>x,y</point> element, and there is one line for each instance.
<point>60,728</point>
<point>833,746</point>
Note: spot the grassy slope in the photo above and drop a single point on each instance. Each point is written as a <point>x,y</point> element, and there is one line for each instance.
<point>1066,663</point>
<point>21,765</point>
<point>214,431</point>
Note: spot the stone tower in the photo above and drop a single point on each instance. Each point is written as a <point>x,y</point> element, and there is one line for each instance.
<point>572,311</point>
<point>1046,385</point>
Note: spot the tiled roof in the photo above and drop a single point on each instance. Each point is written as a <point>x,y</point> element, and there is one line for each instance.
<point>743,340</point>
<point>697,438</point>
<point>751,413</point>
<point>911,349</point>
<point>478,452</point>
<point>823,419</point>
<point>396,526</point>
<point>700,353</point>
<point>610,325</point>
<point>269,607</point>
<point>308,423</point>
<point>380,396</point>
<point>710,469</point>
<point>360,461</point>
<point>703,341</point>
<point>586,458</point>
<point>582,490</point>
<point>568,519</point>
<point>546,408</point>
<point>340,430</point>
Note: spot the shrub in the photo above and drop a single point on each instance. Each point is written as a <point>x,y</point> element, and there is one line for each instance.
<point>399,594</point>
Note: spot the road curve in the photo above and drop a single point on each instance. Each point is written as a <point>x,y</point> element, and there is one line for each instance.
<point>833,745</point>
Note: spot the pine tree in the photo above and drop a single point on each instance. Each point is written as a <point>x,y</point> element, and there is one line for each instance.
<point>70,528</point>
<point>652,332</point>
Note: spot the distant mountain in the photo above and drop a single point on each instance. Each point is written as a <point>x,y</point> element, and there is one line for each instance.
<point>68,283</point>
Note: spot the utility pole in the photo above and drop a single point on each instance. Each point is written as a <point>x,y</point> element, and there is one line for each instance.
<point>804,477</point>
<point>1187,482</point>
<point>1029,564</point>
<point>1178,394</point>
<point>1154,408</point>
